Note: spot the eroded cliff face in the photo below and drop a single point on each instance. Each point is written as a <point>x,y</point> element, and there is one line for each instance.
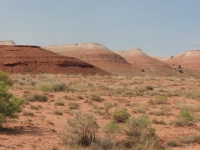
<point>97,55</point>
<point>33,59</point>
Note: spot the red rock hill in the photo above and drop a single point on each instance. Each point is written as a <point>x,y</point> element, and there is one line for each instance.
<point>189,60</point>
<point>97,55</point>
<point>137,58</point>
<point>33,59</point>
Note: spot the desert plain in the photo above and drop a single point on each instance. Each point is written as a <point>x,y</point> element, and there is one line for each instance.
<point>124,100</point>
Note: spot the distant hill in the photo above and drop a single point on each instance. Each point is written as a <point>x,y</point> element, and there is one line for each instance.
<point>161,58</point>
<point>97,55</point>
<point>33,59</point>
<point>7,42</point>
<point>188,61</point>
<point>137,58</point>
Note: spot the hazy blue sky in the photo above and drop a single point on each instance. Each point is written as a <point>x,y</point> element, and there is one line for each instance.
<point>158,27</point>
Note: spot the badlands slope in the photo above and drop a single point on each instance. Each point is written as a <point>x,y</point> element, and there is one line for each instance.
<point>137,58</point>
<point>188,61</point>
<point>33,59</point>
<point>97,55</point>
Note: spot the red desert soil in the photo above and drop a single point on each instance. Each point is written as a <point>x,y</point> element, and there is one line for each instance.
<point>137,58</point>
<point>33,59</point>
<point>37,127</point>
<point>97,55</point>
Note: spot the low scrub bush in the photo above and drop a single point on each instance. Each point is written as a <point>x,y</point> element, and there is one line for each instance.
<point>5,78</point>
<point>96,97</point>
<point>9,105</point>
<point>141,134</point>
<point>80,130</point>
<point>121,115</point>
<point>158,101</point>
<point>45,88</point>
<point>59,103</point>
<point>138,128</point>
<point>148,87</point>
<point>37,97</point>
<point>73,105</point>
<point>107,106</point>
<point>189,139</point>
<point>184,118</point>
<point>111,129</point>
<point>57,112</point>
<point>59,87</point>
<point>173,143</point>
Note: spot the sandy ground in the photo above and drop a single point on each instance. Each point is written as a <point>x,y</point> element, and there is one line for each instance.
<point>37,126</point>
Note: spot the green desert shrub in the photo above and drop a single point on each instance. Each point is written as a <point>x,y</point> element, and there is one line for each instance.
<point>9,105</point>
<point>45,88</point>
<point>139,128</point>
<point>107,106</point>
<point>96,97</point>
<point>184,118</point>
<point>120,115</point>
<point>80,130</point>
<point>111,129</point>
<point>159,100</point>
<point>5,78</point>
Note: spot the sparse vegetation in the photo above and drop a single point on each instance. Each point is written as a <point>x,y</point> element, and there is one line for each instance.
<point>146,98</point>
<point>159,100</point>
<point>189,139</point>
